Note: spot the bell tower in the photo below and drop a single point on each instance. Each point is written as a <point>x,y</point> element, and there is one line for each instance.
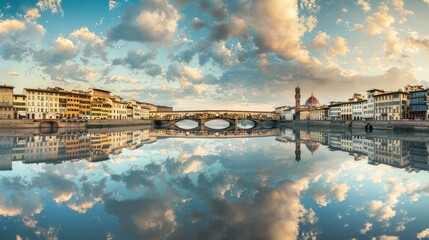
<point>297,98</point>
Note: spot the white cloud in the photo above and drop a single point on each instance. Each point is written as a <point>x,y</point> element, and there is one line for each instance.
<point>16,38</point>
<point>320,41</point>
<point>14,74</point>
<point>53,5</point>
<point>83,205</point>
<point>399,6</point>
<point>32,14</point>
<point>379,22</point>
<point>310,5</point>
<point>367,227</point>
<point>380,211</point>
<point>339,191</point>
<point>122,79</point>
<point>311,23</point>
<point>156,22</point>
<point>112,4</point>
<point>339,47</point>
<point>364,4</point>
<point>423,234</point>
<point>284,34</point>
<point>388,237</point>
<point>11,25</point>
<point>320,198</point>
<point>193,166</point>
<point>63,45</point>
<point>92,44</point>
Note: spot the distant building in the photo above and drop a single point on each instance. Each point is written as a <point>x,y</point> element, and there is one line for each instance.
<point>303,112</point>
<point>48,103</point>
<point>357,110</point>
<point>320,113</point>
<point>6,102</point>
<point>19,106</point>
<point>101,108</point>
<point>119,108</point>
<point>156,108</point>
<point>312,102</point>
<point>369,106</point>
<point>289,114</point>
<point>410,88</point>
<point>334,112</point>
<point>391,106</point>
<point>160,108</point>
<point>418,101</point>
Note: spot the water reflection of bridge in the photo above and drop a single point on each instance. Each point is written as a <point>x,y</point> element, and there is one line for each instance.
<point>399,152</point>
<point>201,117</point>
<point>172,133</point>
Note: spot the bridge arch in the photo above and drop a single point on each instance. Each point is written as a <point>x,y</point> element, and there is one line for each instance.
<point>218,124</point>
<point>187,124</point>
<point>247,124</point>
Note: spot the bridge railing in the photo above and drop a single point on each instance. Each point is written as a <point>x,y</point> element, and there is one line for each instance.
<point>203,116</point>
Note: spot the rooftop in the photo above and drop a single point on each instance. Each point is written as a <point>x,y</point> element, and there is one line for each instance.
<point>6,86</point>
<point>101,90</point>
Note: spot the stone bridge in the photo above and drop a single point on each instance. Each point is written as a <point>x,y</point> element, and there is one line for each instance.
<point>172,133</point>
<point>162,119</point>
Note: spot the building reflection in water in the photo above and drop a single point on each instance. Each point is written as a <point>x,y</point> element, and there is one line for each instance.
<point>410,154</point>
<point>96,147</point>
<point>55,149</point>
<point>400,152</point>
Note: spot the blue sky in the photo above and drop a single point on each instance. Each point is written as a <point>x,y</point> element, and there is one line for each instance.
<point>211,54</point>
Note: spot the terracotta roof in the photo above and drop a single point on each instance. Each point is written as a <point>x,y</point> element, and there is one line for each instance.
<point>312,101</point>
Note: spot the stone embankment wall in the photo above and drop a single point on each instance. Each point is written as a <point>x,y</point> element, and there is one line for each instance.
<point>117,123</point>
<point>29,124</point>
<point>329,124</point>
<point>18,124</point>
<point>401,125</point>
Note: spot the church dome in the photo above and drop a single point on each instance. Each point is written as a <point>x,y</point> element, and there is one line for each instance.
<point>312,146</point>
<point>312,102</point>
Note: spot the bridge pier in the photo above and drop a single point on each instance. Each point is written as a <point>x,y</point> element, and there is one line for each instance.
<point>201,124</point>
<point>172,123</point>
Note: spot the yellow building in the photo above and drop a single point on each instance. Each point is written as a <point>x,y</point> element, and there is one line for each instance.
<point>85,104</point>
<point>319,114</point>
<point>119,108</point>
<point>99,93</point>
<point>391,106</point>
<point>137,111</point>
<point>304,114</point>
<point>101,108</point>
<point>73,105</point>
<point>19,106</point>
<point>151,107</point>
<point>6,102</point>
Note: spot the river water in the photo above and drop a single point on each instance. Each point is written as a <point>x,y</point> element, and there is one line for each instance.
<point>260,184</point>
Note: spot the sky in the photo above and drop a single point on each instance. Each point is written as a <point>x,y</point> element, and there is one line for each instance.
<point>215,54</point>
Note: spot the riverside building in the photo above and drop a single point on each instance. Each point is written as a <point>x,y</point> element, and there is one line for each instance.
<point>391,106</point>
<point>6,102</point>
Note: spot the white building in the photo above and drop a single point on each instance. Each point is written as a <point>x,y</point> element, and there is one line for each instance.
<point>369,106</point>
<point>289,114</point>
<point>357,110</point>
<point>334,112</point>
<point>45,103</point>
